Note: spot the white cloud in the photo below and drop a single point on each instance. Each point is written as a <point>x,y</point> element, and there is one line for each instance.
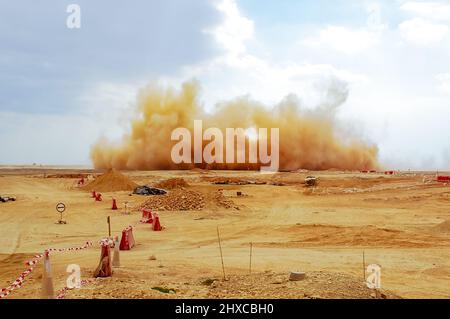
<point>238,72</point>
<point>419,31</point>
<point>429,10</point>
<point>351,40</point>
<point>343,39</point>
<point>444,82</point>
<point>235,29</point>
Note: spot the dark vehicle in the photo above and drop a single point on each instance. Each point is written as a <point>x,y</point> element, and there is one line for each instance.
<point>147,190</point>
<point>310,181</point>
<point>5,199</point>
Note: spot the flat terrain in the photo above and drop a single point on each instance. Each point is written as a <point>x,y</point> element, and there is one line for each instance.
<point>396,220</point>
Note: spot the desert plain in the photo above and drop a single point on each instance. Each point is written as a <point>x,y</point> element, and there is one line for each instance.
<point>400,222</point>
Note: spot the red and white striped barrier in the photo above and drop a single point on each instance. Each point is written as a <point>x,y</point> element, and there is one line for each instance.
<point>443,179</point>
<point>19,281</point>
<point>35,260</point>
<point>60,250</point>
<point>105,242</point>
<point>16,284</point>
<point>147,216</point>
<point>127,241</point>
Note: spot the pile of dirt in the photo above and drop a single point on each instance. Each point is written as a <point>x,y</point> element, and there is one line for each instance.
<point>268,285</point>
<point>316,285</point>
<point>67,176</point>
<point>172,183</point>
<point>220,180</point>
<point>176,200</point>
<point>111,181</point>
<point>222,201</point>
<point>443,227</point>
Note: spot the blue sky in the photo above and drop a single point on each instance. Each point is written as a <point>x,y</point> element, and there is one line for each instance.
<point>61,89</point>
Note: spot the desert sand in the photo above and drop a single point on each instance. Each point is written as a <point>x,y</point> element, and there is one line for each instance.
<point>400,222</point>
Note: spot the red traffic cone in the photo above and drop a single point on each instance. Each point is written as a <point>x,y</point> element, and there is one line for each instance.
<point>156,223</point>
<point>114,204</point>
<point>94,194</point>
<point>98,197</point>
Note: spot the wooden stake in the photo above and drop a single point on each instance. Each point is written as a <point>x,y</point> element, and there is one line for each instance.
<point>251,249</point>
<point>221,255</point>
<point>109,226</point>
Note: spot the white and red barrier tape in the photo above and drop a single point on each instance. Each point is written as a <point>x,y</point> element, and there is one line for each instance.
<point>19,281</point>
<point>16,284</point>
<point>105,242</point>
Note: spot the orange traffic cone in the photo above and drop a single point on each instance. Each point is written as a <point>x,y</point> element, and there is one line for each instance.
<point>48,291</point>
<point>114,204</point>
<point>98,197</point>
<point>94,194</point>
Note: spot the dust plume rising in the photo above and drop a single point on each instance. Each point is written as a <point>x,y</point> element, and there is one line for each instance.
<point>309,139</point>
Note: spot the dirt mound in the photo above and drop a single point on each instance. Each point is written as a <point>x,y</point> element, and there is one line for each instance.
<point>172,183</point>
<point>267,285</point>
<point>316,235</point>
<point>67,176</point>
<point>111,181</point>
<point>221,180</point>
<point>222,201</point>
<point>443,227</point>
<point>316,285</point>
<point>177,199</point>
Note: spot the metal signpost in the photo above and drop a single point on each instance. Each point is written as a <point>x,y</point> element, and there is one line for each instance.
<point>60,208</point>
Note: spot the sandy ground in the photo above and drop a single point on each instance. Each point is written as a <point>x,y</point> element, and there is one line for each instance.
<point>392,219</point>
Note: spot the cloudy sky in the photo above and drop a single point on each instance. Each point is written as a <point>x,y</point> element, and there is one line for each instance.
<point>61,89</point>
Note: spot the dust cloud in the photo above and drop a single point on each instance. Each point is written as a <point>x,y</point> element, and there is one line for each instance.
<point>309,139</point>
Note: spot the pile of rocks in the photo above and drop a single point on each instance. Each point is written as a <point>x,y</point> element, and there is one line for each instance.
<point>222,201</point>
<point>176,200</point>
<point>235,181</point>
